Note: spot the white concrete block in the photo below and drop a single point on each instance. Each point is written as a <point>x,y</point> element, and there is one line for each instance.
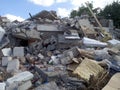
<point>18,51</point>
<point>2,86</point>
<point>93,43</point>
<point>21,77</point>
<point>7,51</point>
<point>13,66</point>
<point>5,60</point>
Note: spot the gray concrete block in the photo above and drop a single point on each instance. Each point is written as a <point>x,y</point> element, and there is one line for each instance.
<point>13,66</point>
<point>18,51</point>
<point>5,60</point>
<point>47,27</point>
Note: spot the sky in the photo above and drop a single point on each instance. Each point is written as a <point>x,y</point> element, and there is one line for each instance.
<point>20,9</point>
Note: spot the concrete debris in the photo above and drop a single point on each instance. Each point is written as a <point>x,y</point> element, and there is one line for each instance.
<point>6,60</point>
<point>18,51</point>
<point>102,54</point>
<point>7,51</point>
<point>46,52</point>
<point>87,28</point>
<point>47,27</point>
<point>93,43</point>
<point>13,66</point>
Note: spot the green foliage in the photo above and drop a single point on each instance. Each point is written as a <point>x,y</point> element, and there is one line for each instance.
<point>82,10</point>
<point>112,11</point>
<point>73,13</point>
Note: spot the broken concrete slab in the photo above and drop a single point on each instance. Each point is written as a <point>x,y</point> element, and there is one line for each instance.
<point>18,51</point>
<point>20,77</point>
<point>93,43</point>
<point>13,66</point>
<point>5,60</point>
<point>113,84</point>
<point>27,34</point>
<point>47,27</point>
<point>87,28</point>
<point>45,15</point>
<point>87,68</point>
<point>7,51</point>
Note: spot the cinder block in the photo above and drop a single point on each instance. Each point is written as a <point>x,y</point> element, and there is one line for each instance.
<point>13,66</point>
<point>7,51</point>
<point>18,51</point>
<point>5,60</point>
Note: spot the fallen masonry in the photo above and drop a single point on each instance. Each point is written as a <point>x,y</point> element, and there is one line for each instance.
<point>46,52</point>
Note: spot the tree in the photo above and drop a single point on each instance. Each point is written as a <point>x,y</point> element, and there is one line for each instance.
<point>81,10</point>
<point>112,11</point>
<point>73,13</point>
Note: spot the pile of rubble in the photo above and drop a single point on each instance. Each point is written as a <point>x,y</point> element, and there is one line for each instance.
<point>46,52</point>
